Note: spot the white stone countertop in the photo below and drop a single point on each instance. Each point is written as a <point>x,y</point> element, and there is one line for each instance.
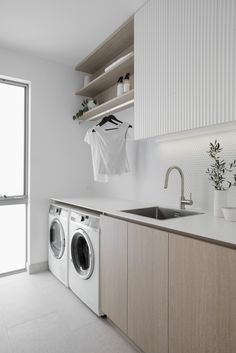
<point>204,226</point>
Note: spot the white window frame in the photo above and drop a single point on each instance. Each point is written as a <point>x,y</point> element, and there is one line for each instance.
<point>21,199</point>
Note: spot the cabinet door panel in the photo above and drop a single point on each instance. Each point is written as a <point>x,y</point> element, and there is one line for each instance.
<point>114,270</point>
<point>202,297</point>
<point>148,288</point>
<point>184,65</point>
<point>150,65</point>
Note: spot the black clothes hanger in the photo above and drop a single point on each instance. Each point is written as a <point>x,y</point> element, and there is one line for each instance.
<point>115,119</point>
<point>105,120</point>
<point>111,119</point>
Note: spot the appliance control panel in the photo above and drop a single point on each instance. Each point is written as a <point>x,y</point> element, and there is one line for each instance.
<point>55,210</point>
<point>84,219</point>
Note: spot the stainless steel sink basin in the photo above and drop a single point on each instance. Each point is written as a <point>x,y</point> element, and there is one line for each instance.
<point>161,213</point>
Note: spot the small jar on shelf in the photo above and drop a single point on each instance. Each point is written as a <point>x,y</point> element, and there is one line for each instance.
<point>127,83</point>
<point>120,86</point>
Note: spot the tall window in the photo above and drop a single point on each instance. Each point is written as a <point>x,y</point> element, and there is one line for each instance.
<point>13,174</point>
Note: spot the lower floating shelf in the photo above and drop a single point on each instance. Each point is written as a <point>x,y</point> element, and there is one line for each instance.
<point>114,105</point>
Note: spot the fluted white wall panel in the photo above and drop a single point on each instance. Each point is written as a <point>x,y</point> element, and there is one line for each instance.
<point>185,75</point>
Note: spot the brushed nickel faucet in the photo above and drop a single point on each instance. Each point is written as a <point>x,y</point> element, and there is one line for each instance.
<point>183,200</point>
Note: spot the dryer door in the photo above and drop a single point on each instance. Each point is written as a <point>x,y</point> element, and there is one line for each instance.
<point>57,239</point>
<point>82,254</point>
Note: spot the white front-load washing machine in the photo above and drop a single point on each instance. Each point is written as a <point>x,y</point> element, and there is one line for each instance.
<point>84,258</point>
<point>58,242</point>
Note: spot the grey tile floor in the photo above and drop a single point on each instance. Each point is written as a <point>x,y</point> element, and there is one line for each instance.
<point>39,315</point>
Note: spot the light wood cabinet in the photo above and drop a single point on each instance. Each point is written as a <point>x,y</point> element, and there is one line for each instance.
<point>114,270</point>
<point>202,297</point>
<point>167,292</point>
<point>184,66</point>
<point>148,288</point>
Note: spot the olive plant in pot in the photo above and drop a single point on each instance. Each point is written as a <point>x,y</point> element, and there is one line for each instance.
<point>217,174</point>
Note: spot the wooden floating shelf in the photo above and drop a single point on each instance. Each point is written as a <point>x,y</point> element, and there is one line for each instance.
<point>122,38</point>
<point>108,79</point>
<point>114,105</point>
<point>103,86</point>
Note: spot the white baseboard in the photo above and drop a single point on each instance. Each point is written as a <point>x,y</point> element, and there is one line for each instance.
<point>38,267</point>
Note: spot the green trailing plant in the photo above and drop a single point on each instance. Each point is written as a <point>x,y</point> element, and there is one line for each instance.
<point>84,109</point>
<point>218,170</point>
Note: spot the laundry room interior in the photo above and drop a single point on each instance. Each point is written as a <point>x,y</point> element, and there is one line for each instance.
<point>118,176</point>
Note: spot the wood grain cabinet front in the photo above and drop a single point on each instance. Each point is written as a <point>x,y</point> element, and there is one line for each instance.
<point>114,270</point>
<point>202,297</point>
<point>169,293</point>
<point>134,282</point>
<point>148,288</point>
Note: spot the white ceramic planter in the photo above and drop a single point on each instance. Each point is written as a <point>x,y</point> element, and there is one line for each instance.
<point>220,200</point>
<point>229,214</point>
<point>91,104</point>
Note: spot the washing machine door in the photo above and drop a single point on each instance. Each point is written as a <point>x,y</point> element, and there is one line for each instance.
<point>57,239</point>
<point>82,254</point>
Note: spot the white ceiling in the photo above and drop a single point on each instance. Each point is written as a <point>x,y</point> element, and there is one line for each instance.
<point>61,30</point>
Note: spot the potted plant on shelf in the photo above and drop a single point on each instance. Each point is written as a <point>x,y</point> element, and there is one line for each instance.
<point>217,174</point>
<point>87,105</point>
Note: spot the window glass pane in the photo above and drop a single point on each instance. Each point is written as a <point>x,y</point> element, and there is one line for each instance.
<point>12,238</point>
<point>12,126</point>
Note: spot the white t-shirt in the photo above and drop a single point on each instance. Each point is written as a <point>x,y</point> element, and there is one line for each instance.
<point>108,149</point>
<point>91,138</point>
<point>112,147</point>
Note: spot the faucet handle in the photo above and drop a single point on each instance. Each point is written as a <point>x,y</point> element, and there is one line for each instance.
<point>185,201</point>
<point>190,199</point>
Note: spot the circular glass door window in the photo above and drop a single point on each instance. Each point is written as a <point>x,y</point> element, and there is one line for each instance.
<point>82,254</point>
<point>57,239</point>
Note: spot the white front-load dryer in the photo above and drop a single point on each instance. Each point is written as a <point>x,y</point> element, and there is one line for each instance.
<point>84,258</point>
<point>58,242</point>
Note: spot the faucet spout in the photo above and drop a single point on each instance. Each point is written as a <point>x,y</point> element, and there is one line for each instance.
<point>183,200</point>
<point>169,170</point>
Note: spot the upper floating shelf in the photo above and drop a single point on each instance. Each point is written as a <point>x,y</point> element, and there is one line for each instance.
<point>107,79</point>
<point>122,38</point>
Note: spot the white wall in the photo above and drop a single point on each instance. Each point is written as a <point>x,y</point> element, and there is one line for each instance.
<point>58,162</point>
<point>150,159</point>
<point>61,161</point>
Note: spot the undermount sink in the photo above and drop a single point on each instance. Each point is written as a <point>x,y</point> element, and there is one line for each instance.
<point>161,213</point>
